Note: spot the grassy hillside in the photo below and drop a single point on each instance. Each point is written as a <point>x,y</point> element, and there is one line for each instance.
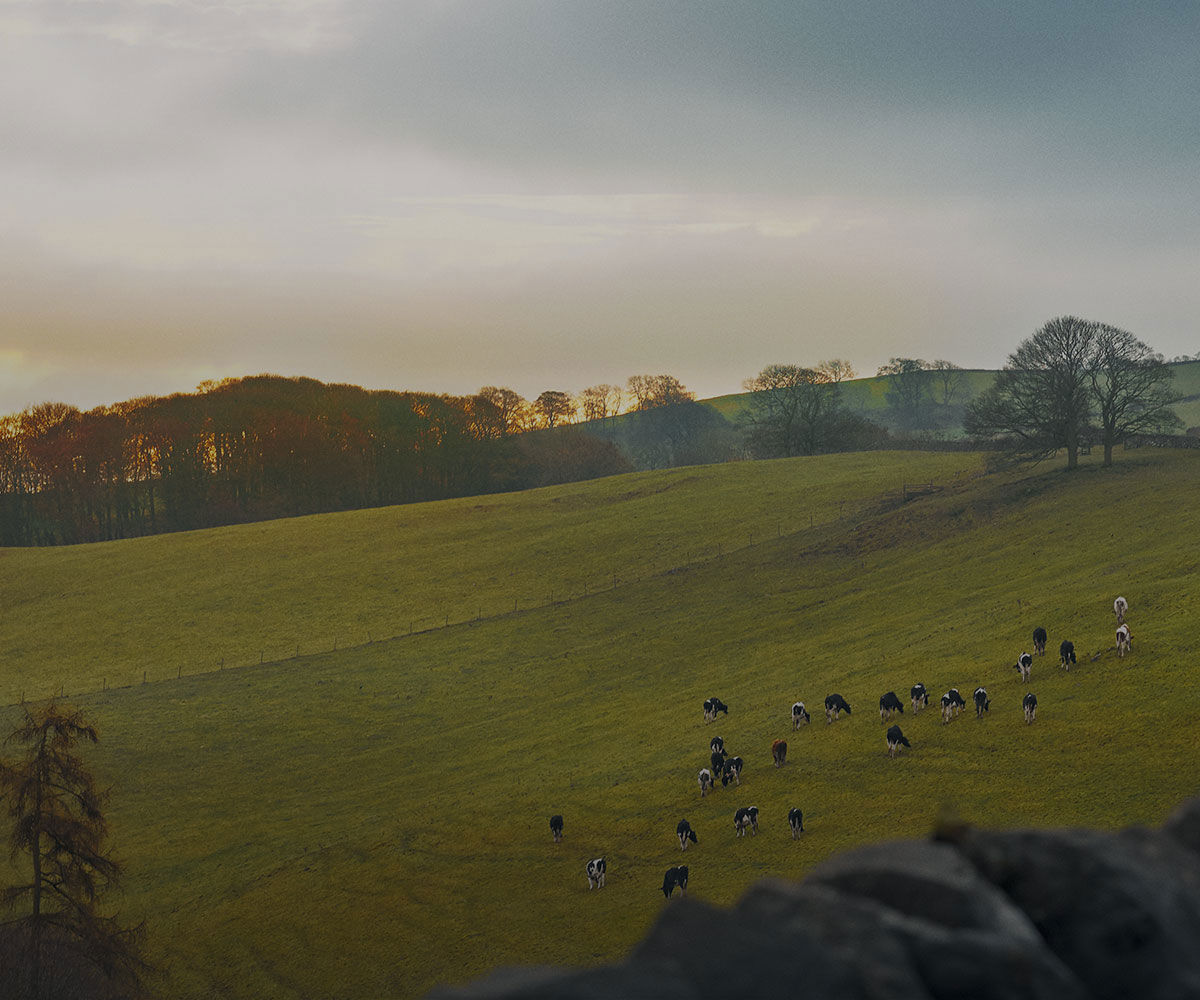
<point>83,617</point>
<point>867,397</point>
<point>370,822</point>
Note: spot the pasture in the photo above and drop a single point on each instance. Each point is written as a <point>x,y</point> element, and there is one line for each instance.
<point>369,822</point>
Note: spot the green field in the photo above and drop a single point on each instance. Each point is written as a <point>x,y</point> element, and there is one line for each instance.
<point>368,822</point>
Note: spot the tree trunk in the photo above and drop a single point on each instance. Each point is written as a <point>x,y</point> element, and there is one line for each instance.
<point>1072,456</point>
<point>1108,452</point>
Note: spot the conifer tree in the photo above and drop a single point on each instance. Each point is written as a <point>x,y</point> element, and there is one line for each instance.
<point>64,944</point>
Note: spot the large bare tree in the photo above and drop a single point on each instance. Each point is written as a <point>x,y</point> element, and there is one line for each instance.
<point>1068,373</point>
<point>791,409</point>
<point>1131,387</point>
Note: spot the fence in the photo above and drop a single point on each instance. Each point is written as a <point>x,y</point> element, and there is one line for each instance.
<point>561,593</point>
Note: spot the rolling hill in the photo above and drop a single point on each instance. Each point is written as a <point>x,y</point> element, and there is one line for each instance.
<point>369,821</point>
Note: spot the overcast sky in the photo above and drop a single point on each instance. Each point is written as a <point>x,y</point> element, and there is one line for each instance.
<point>548,194</point>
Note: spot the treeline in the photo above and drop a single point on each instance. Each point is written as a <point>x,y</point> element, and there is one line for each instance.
<point>264,447</point>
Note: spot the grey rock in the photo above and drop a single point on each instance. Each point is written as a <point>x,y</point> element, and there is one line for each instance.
<point>1183,825</point>
<point>1121,910</point>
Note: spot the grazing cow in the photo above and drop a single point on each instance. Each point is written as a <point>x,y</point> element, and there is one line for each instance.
<point>920,697</point>
<point>556,827</point>
<point>1066,654</point>
<point>732,771</point>
<point>675,877</point>
<point>595,873</point>
<point>952,704</point>
<point>889,705</point>
<point>982,702</point>
<point>1029,703</point>
<point>746,819</point>
<point>796,822</point>
<point>706,781</point>
<point>895,740</point>
<point>717,745</point>
<point>1120,606</point>
<point>1039,640</point>
<point>1024,665</point>
<point>835,704</point>
<point>799,715</point>
<point>1124,641</point>
<point>717,762</point>
<point>686,833</point>
<point>712,706</point>
<point>779,752</point>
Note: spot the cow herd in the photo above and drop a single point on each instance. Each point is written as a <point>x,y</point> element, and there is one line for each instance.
<point>728,768</point>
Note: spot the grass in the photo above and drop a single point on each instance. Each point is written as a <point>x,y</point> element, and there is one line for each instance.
<point>85,617</point>
<point>370,822</point>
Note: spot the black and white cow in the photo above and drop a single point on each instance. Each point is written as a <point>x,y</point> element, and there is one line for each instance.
<point>889,705</point>
<point>1120,606</point>
<point>1024,666</point>
<point>732,771</point>
<point>712,706</point>
<point>952,704</point>
<point>706,781</point>
<point>556,826</point>
<point>1066,654</point>
<point>1124,641</point>
<point>686,833</point>
<point>799,715</point>
<point>746,819</point>
<point>835,704</point>
<point>779,752</point>
<point>920,697</point>
<point>717,745</point>
<point>1039,640</point>
<point>675,877</point>
<point>982,702</point>
<point>595,873</point>
<point>796,822</point>
<point>895,740</point>
<point>1029,703</point>
<point>717,761</point>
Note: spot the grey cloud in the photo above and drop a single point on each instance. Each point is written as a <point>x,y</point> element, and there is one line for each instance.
<point>778,95</point>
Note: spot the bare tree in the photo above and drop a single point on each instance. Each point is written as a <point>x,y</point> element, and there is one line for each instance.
<point>791,410</point>
<point>950,378</point>
<point>908,386</point>
<point>1131,387</point>
<point>59,829</point>
<point>1042,399</point>
<point>837,370</point>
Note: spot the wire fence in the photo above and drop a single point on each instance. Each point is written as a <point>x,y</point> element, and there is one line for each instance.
<point>469,612</point>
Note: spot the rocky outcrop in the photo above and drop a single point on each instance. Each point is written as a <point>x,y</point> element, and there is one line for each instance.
<point>984,915</point>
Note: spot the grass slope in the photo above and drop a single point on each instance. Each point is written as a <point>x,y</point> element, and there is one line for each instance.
<point>81,617</point>
<point>370,822</point>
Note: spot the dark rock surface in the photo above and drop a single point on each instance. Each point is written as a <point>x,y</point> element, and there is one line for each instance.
<point>976,914</point>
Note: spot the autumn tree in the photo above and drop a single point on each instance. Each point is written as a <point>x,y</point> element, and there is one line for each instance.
<point>1130,387</point>
<point>502,407</point>
<point>64,941</point>
<point>554,407</point>
<point>651,391</point>
<point>1042,399</point>
<point>599,401</point>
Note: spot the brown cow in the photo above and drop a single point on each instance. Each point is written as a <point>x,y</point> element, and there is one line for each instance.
<point>779,752</point>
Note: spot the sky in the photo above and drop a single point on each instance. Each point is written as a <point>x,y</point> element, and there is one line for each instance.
<point>550,194</point>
